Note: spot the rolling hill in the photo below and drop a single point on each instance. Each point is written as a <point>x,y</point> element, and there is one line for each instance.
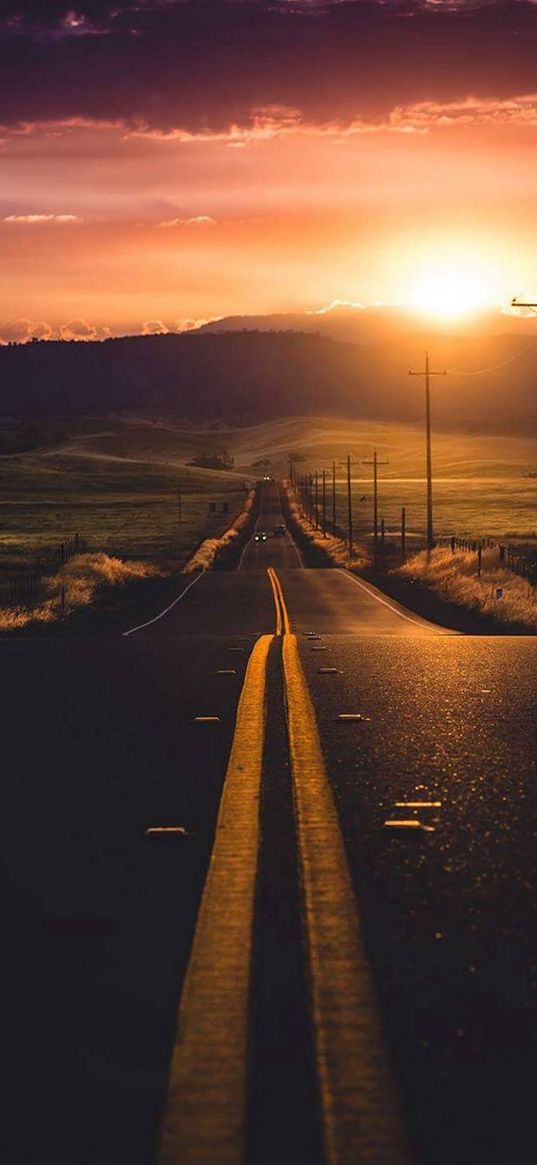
<point>244,376</point>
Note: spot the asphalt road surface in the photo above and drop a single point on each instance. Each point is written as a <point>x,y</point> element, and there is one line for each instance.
<point>353,966</point>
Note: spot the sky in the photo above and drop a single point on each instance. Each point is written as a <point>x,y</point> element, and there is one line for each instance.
<point>165,162</point>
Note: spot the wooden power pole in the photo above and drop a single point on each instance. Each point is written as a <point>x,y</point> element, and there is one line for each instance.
<point>375,464</point>
<point>349,503</point>
<point>324,503</point>
<point>426,376</point>
<point>333,498</point>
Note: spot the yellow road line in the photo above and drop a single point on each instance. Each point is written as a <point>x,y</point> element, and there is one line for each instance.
<point>281,613</point>
<point>361,1123</point>
<point>276,596</point>
<point>204,1119</point>
<point>284,614</point>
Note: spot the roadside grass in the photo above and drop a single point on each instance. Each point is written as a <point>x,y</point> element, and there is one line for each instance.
<point>77,582</point>
<point>334,548</point>
<point>497,593</point>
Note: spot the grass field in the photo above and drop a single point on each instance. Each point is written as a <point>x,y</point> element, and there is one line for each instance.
<point>115,482</point>
<point>481,483</point>
<point>123,502</point>
<point>501,508</point>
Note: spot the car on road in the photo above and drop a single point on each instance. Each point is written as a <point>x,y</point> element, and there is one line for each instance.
<point>260,536</point>
<point>278,530</point>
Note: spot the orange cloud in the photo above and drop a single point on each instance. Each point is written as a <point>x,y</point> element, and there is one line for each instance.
<point>82,330</point>
<point>40,219</point>
<point>262,124</point>
<point>336,305</point>
<point>518,111</point>
<point>154,328</point>
<point>193,325</point>
<point>22,331</point>
<point>199,220</point>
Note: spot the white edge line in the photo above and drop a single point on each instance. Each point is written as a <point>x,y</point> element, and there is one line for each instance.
<point>299,553</point>
<point>166,609</point>
<point>245,548</point>
<point>402,614</point>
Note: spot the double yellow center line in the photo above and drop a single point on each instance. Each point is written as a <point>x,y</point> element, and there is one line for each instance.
<point>205,1116</point>
<point>283,626</point>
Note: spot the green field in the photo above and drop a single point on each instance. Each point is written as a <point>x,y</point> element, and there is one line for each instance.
<point>114,481</point>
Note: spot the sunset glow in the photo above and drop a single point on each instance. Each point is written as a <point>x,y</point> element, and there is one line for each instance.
<point>452,291</point>
<point>287,180</point>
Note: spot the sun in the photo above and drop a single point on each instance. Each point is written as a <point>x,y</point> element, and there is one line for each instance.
<point>450,291</point>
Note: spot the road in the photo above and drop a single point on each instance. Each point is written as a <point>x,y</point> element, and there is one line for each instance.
<point>350,989</point>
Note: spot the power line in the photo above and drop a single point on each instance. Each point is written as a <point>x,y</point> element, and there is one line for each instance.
<point>493,367</point>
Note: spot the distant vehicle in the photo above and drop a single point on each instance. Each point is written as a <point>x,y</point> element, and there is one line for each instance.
<point>278,530</point>
<point>260,536</point>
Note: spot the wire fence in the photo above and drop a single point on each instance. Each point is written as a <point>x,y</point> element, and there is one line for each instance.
<point>320,505</point>
<point>19,590</point>
<point>511,559</point>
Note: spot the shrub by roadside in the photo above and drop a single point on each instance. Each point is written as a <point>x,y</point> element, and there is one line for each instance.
<point>334,550</point>
<point>453,576</point>
<point>204,557</point>
<point>79,580</point>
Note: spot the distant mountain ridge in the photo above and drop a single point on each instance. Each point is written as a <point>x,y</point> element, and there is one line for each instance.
<point>376,323</point>
<point>244,376</point>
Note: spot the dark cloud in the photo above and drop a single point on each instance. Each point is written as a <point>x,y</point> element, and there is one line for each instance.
<point>203,65</point>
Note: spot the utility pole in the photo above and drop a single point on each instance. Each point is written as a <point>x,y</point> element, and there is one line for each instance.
<point>403,534</point>
<point>334,498</point>
<point>349,503</point>
<point>518,303</point>
<point>180,503</point>
<point>324,503</point>
<point>426,376</point>
<point>375,463</point>
<point>316,499</point>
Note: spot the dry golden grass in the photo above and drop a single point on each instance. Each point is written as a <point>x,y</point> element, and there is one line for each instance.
<point>454,577</point>
<point>80,579</point>
<point>335,548</point>
<point>204,556</point>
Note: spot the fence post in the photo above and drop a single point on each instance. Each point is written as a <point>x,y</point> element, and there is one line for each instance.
<point>334,517</point>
